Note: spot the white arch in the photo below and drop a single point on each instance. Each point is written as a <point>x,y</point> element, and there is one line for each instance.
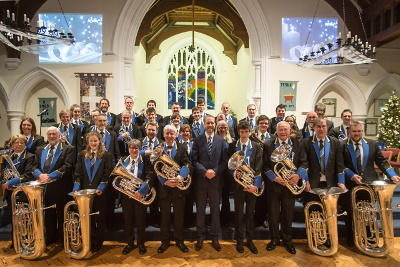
<point>129,22</point>
<point>349,90</point>
<point>391,80</point>
<point>3,93</point>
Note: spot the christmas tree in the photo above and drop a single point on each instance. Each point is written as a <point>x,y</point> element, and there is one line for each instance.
<point>389,127</point>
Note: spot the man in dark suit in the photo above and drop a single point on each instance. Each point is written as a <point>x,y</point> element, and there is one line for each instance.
<point>152,104</point>
<point>171,194</point>
<point>176,109</point>
<point>360,155</point>
<point>251,116</point>
<point>111,117</point>
<point>342,132</point>
<point>280,116</point>
<point>135,117</point>
<point>70,133</point>
<point>231,120</point>
<point>151,117</point>
<point>201,105</point>
<point>197,124</point>
<point>253,158</point>
<point>54,166</point>
<point>209,160</point>
<point>281,200</point>
<point>308,129</point>
<point>126,130</point>
<point>320,108</point>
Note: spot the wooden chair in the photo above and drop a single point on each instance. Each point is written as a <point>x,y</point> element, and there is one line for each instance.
<point>395,164</point>
<point>388,157</point>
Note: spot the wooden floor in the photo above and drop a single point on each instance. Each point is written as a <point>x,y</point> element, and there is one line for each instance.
<point>110,255</point>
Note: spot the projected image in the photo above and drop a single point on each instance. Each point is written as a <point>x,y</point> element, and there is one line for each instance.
<point>296,30</point>
<point>88,33</point>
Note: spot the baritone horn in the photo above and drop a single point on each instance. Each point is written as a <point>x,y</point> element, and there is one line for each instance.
<point>366,230</point>
<point>77,225</point>
<point>127,183</point>
<point>321,220</point>
<point>237,162</point>
<point>167,168</point>
<point>28,221</point>
<point>281,155</point>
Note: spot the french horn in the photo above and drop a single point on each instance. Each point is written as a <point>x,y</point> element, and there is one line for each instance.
<point>77,224</point>
<point>281,156</point>
<point>366,230</point>
<point>127,183</point>
<point>237,162</point>
<point>167,168</point>
<point>321,224</point>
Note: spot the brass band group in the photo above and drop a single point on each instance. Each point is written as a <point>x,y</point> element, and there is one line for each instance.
<point>67,189</point>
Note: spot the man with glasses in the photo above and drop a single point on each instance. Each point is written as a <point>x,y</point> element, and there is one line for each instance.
<point>308,129</point>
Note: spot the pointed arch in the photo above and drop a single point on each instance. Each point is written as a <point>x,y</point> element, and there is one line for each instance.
<point>3,93</point>
<point>392,81</point>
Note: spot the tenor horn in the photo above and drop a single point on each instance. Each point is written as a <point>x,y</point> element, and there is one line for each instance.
<point>77,225</point>
<point>237,162</point>
<point>366,230</point>
<point>28,221</point>
<point>321,224</point>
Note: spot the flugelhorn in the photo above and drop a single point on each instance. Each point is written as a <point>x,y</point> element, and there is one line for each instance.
<point>366,230</point>
<point>321,224</point>
<point>127,183</point>
<point>28,221</point>
<point>281,155</point>
<point>77,225</point>
<point>167,168</point>
<point>237,162</point>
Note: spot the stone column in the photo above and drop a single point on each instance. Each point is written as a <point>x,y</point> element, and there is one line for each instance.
<point>14,117</point>
<point>257,88</point>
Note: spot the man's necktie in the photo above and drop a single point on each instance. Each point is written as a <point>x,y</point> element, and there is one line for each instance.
<point>49,158</point>
<point>133,165</point>
<point>251,124</point>
<point>358,157</point>
<point>65,128</point>
<point>169,149</point>
<point>102,134</point>
<point>244,147</point>
<point>126,129</point>
<point>14,157</point>
<point>92,161</point>
<point>150,144</point>
<point>262,137</point>
<point>198,128</point>
<point>209,144</point>
<point>347,130</point>
<point>322,156</point>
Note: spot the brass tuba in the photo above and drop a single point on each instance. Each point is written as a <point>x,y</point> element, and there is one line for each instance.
<point>77,225</point>
<point>128,184</point>
<point>237,162</point>
<point>321,225</point>
<point>366,230</point>
<point>281,156</point>
<point>167,168</point>
<point>28,221</point>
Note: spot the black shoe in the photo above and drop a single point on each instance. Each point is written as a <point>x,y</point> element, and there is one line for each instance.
<point>252,247</point>
<point>272,245</point>
<point>142,249</point>
<point>199,244</point>
<point>182,247</point>
<point>216,245</point>
<point>163,247</point>
<point>96,247</point>
<point>128,249</point>
<point>239,247</point>
<point>290,248</point>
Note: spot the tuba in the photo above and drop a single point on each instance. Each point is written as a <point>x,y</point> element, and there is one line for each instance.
<point>237,163</point>
<point>128,184</point>
<point>167,168</point>
<point>77,225</point>
<point>321,225</point>
<point>281,156</point>
<point>366,230</point>
<point>28,221</point>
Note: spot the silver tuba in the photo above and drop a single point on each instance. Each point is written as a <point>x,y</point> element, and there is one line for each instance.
<point>237,163</point>
<point>28,221</point>
<point>366,230</point>
<point>167,168</point>
<point>281,156</point>
<point>77,225</point>
<point>321,225</point>
<point>127,183</point>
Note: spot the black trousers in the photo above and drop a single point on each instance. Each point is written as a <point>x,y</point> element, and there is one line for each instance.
<point>134,210</point>
<point>178,203</point>
<point>261,209</point>
<point>228,182</point>
<point>111,195</point>
<point>98,222</point>
<point>214,196</point>
<point>242,197</point>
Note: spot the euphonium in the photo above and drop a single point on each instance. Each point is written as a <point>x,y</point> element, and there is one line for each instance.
<point>366,231</point>
<point>321,225</point>
<point>167,168</point>
<point>28,221</point>
<point>77,225</point>
<point>237,163</point>
<point>128,184</point>
<point>281,156</point>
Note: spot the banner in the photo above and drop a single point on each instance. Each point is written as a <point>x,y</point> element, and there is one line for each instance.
<point>92,90</point>
<point>49,117</point>
<point>288,94</point>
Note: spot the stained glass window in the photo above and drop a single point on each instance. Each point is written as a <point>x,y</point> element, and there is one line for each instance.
<point>191,76</point>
